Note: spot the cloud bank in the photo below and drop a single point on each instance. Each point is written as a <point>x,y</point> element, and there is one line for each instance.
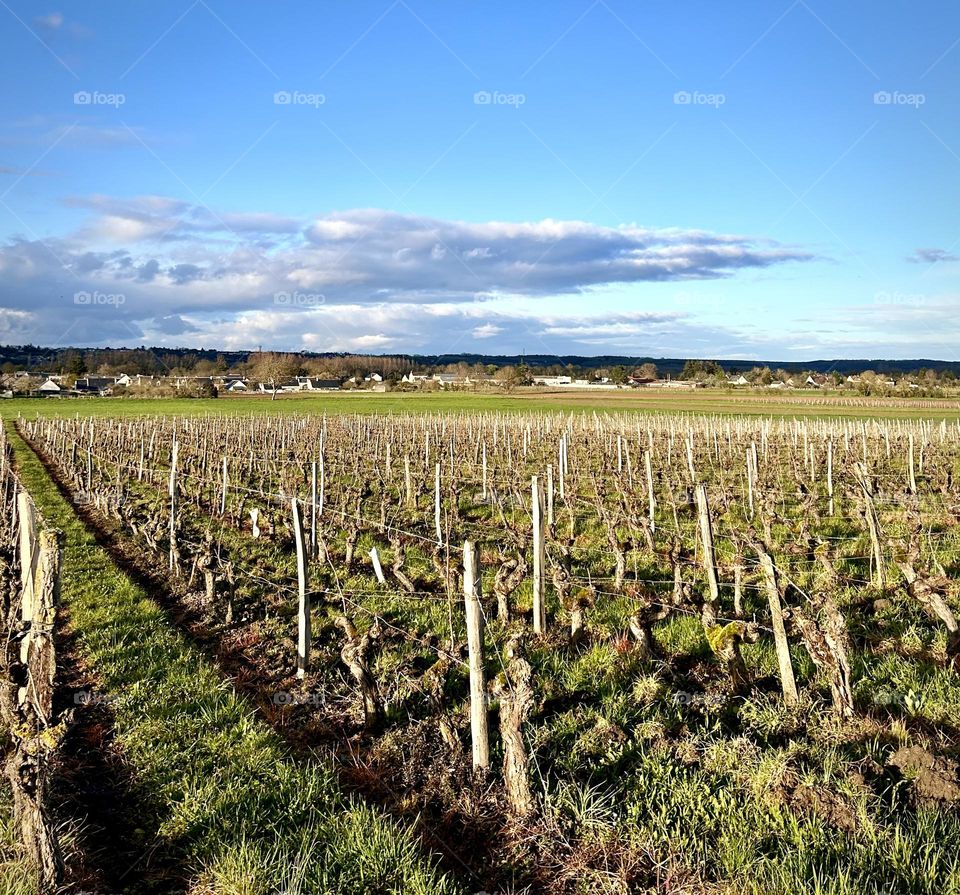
<point>162,268</point>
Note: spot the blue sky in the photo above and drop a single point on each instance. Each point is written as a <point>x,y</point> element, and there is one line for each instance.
<point>775,180</point>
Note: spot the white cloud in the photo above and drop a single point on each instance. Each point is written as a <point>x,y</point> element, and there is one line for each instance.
<point>52,20</point>
<point>389,281</point>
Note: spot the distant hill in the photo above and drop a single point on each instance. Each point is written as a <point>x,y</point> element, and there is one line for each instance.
<point>36,357</point>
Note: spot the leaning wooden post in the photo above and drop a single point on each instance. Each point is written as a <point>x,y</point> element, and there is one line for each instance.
<point>479,733</point>
<point>539,557</point>
<point>303,601</point>
<point>772,588</point>
<point>377,568</point>
<point>174,566</point>
<point>706,538</point>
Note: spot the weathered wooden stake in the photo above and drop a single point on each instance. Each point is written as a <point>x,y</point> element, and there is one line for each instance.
<point>377,568</point>
<point>651,500</point>
<point>550,494</point>
<point>174,565</point>
<point>479,733</point>
<point>539,557</point>
<point>436,505</point>
<point>303,600</point>
<point>913,478</point>
<point>27,525</point>
<point>313,507</point>
<point>706,538</point>
<point>830,474</point>
<point>483,495</point>
<point>787,679</point>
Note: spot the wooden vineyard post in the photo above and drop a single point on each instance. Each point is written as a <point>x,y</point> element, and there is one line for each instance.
<point>550,495</point>
<point>706,538</point>
<point>223,492</point>
<point>41,658</point>
<point>436,505</point>
<point>562,465</point>
<point>738,589</point>
<point>651,500</point>
<point>830,474</point>
<point>913,477</point>
<point>303,600</point>
<point>321,498</point>
<point>313,507</point>
<point>483,495</point>
<point>479,733</point>
<point>407,481</point>
<point>27,525</point>
<point>750,474</point>
<point>772,588</point>
<point>539,557</point>
<point>377,568</point>
<point>174,565</point>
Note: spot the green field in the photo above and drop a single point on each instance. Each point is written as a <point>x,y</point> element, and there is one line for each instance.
<point>704,401</point>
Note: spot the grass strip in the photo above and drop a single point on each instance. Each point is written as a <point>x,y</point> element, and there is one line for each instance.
<point>223,790</point>
<point>16,875</point>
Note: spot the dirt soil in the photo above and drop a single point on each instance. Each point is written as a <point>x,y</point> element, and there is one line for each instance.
<point>933,778</point>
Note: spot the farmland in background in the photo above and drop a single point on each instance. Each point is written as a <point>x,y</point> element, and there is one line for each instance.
<point>713,401</point>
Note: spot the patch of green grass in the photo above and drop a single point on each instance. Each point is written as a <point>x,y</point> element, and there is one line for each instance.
<point>16,875</point>
<point>225,795</point>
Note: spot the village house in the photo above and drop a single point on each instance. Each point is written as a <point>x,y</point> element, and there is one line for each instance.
<point>95,385</point>
<point>50,388</point>
<point>313,384</point>
<point>552,381</point>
